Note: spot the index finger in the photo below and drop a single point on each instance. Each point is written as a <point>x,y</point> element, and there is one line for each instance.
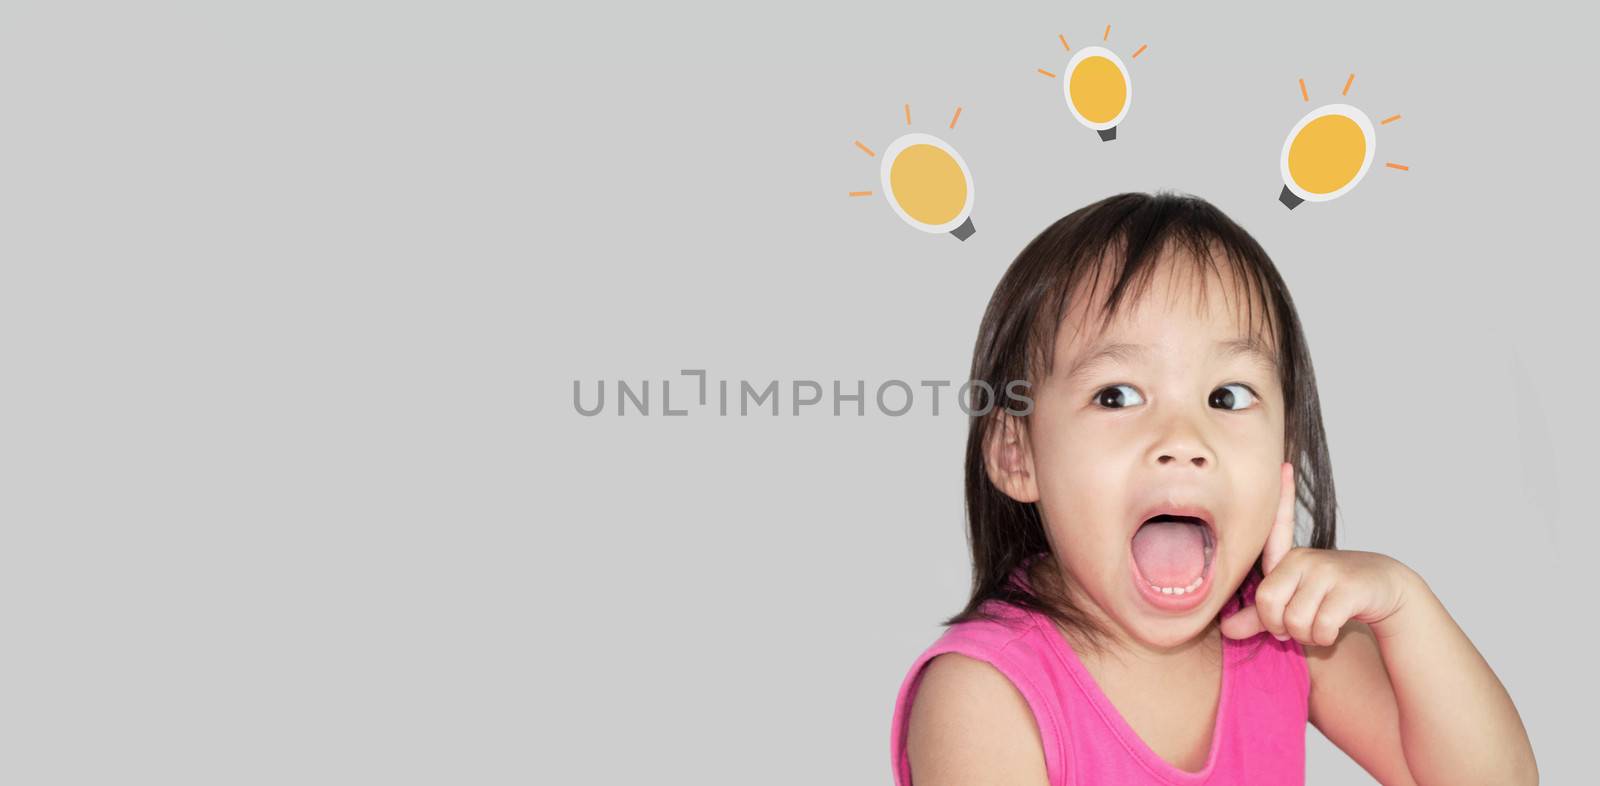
<point>1281,538</point>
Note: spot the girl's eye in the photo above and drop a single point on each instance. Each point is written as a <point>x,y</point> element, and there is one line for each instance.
<point>1225,398</point>
<point>1112,398</point>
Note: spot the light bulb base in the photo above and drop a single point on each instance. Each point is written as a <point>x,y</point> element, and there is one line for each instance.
<point>1288,199</point>
<point>1108,134</point>
<point>965,230</point>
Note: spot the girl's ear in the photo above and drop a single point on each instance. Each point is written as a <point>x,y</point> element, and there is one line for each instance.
<point>1009,459</point>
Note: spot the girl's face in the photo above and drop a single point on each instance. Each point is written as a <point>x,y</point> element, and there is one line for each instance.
<point>1170,408</point>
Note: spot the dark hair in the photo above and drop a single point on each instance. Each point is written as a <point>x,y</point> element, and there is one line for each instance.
<point>1017,341</point>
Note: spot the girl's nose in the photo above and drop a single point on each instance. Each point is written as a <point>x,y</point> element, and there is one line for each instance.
<point>1182,444</point>
<point>1183,448</point>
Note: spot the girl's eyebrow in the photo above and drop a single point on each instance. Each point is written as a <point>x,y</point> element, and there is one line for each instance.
<point>1127,353</point>
<point>1106,354</point>
<point>1247,345</point>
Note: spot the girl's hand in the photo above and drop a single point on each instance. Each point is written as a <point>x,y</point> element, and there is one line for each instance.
<point>1309,594</point>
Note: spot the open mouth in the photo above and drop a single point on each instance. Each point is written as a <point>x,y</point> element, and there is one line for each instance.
<point>1172,552</point>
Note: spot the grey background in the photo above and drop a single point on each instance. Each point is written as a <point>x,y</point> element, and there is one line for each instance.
<point>294,294</point>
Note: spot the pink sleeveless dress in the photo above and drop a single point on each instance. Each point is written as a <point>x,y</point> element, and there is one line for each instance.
<point>1260,729</point>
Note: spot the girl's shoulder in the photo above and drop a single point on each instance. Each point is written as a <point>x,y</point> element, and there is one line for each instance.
<point>1010,645</point>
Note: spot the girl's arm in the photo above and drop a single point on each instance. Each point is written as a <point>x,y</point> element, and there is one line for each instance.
<point>1403,682</point>
<point>1411,700</point>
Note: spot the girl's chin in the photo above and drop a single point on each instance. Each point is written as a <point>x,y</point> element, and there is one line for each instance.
<point>1165,629</point>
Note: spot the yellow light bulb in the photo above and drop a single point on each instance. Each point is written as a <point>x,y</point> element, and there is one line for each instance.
<point>928,185</point>
<point>1098,90</point>
<point>1326,154</point>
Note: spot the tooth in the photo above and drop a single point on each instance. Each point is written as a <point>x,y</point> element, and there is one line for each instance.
<point>1166,590</point>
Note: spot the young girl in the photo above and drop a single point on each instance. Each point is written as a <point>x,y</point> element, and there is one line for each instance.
<point>1139,612</point>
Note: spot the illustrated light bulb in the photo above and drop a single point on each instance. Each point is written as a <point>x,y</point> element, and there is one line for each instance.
<point>1098,90</point>
<point>929,185</point>
<point>1326,154</point>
